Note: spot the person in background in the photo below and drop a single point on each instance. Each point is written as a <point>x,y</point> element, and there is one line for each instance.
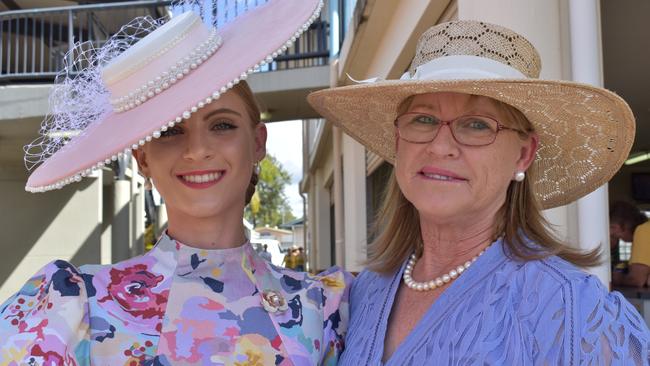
<point>291,258</point>
<point>624,218</point>
<point>300,259</point>
<point>628,223</point>
<point>265,253</point>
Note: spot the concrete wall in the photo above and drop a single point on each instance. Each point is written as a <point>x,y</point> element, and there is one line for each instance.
<point>39,228</point>
<point>93,221</point>
<point>320,221</point>
<point>299,236</point>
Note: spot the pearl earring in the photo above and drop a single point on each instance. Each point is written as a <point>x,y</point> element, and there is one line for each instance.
<point>256,167</point>
<point>519,176</point>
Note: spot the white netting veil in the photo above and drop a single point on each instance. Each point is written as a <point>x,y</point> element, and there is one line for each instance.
<point>79,97</point>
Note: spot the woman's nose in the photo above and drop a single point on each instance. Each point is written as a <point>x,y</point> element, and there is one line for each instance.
<point>444,143</point>
<point>198,147</point>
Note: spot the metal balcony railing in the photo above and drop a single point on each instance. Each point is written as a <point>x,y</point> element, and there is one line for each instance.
<point>33,43</point>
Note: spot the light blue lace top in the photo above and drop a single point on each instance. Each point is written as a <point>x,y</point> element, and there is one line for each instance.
<point>502,312</point>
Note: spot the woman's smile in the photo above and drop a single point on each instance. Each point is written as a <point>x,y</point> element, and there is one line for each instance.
<point>201,179</point>
<point>442,175</point>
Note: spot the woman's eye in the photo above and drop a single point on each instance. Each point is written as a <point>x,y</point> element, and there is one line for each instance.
<point>476,124</point>
<point>223,126</point>
<point>425,119</point>
<point>171,132</point>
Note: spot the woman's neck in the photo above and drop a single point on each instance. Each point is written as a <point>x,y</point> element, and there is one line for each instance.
<point>220,232</point>
<point>447,246</point>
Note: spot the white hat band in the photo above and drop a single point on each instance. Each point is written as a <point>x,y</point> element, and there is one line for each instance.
<point>462,67</point>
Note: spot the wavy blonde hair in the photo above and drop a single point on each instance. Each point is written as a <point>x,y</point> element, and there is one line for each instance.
<point>527,234</point>
<point>243,90</point>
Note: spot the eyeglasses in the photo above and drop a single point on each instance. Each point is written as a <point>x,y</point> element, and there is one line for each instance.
<point>470,130</point>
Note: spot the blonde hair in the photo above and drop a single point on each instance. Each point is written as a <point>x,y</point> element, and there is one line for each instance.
<point>527,235</point>
<point>243,90</point>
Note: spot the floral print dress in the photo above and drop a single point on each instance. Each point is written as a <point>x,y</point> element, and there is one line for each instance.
<point>176,305</point>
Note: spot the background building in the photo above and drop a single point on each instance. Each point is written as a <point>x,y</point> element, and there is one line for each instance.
<point>285,237</point>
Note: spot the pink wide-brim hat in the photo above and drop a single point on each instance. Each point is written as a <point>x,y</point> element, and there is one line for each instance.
<point>242,46</point>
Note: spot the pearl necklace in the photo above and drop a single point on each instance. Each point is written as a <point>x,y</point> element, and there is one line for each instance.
<point>439,281</point>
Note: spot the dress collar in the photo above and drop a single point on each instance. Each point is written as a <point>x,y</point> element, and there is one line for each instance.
<point>188,259</point>
<point>485,266</point>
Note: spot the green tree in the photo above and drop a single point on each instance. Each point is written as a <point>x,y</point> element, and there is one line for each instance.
<point>273,208</point>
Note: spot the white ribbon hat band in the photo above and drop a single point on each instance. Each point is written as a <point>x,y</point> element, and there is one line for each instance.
<point>462,67</point>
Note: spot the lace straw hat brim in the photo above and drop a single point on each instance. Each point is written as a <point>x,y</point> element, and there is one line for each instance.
<point>585,132</point>
<point>253,38</point>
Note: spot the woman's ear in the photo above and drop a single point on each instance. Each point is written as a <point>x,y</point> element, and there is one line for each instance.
<point>260,141</point>
<point>528,152</point>
<point>141,157</point>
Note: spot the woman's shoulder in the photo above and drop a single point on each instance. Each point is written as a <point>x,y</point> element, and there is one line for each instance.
<point>333,279</point>
<point>58,277</point>
<point>94,268</point>
<point>559,298</point>
<point>555,270</point>
<point>369,291</point>
<point>52,301</point>
<point>557,281</point>
<point>61,281</point>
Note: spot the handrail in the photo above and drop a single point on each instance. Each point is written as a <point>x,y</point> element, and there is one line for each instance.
<point>33,42</point>
<point>87,7</point>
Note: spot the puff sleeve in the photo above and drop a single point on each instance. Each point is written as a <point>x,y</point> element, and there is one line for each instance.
<point>610,330</point>
<point>46,322</point>
<point>580,323</point>
<point>336,290</point>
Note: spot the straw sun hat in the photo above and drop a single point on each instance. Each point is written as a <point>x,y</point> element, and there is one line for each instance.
<point>150,76</point>
<point>585,132</point>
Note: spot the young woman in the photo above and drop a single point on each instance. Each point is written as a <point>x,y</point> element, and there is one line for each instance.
<point>202,295</point>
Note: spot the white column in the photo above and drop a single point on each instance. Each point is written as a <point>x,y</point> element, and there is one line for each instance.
<point>339,222</point>
<point>121,227</point>
<point>322,223</point>
<point>138,220</point>
<point>354,205</point>
<point>106,243</point>
<point>586,67</point>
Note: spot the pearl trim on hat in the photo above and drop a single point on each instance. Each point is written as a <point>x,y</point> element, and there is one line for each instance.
<point>184,115</point>
<point>119,70</point>
<point>169,77</point>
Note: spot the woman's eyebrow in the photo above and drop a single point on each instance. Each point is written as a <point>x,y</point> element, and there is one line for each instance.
<point>423,106</point>
<point>221,111</point>
<point>433,109</point>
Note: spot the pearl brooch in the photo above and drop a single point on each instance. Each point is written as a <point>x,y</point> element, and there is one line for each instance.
<point>437,282</point>
<point>273,301</point>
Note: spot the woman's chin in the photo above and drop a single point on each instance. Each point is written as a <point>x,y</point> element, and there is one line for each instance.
<point>441,211</point>
<point>203,209</point>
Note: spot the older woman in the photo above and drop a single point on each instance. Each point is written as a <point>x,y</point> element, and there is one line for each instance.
<point>465,269</point>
